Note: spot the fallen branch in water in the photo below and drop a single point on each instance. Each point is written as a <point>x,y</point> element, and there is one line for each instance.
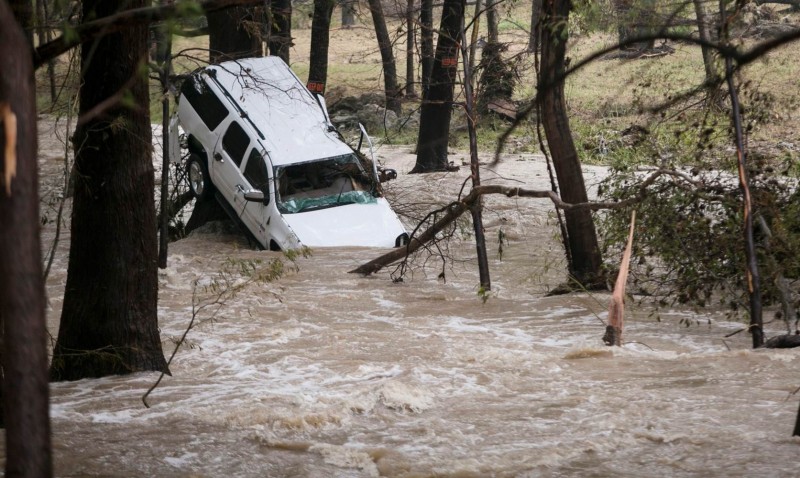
<point>457,208</point>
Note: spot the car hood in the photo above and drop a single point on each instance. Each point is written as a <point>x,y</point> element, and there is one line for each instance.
<point>367,225</point>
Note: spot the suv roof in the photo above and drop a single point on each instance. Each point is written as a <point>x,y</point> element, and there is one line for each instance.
<point>290,122</point>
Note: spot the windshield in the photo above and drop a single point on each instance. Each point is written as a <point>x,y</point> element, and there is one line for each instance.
<point>321,184</point>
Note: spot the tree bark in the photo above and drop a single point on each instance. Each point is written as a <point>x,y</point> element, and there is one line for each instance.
<point>348,13</point>
<point>476,208</point>
<point>426,42</point>
<point>410,90</point>
<point>705,36</point>
<point>22,296</point>
<point>437,104</point>
<point>109,322</point>
<point>232,34</point>
<point>387,56</point>
<point>280,38</point>
<point>320,39</point>
<point>536,15</point>
<point>492,22</point>
<point>585,264</point>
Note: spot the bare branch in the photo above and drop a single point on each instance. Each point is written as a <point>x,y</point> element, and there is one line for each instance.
<point>84,32</point>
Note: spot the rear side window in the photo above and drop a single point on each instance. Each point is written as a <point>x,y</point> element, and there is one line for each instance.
<point>235,142</point>
<point>255,171</point>
<point>210,109</point>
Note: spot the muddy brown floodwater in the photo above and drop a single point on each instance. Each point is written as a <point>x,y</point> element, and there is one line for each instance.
<point>327,374</point>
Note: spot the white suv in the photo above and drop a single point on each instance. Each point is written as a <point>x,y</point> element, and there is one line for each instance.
<point>264,146</point>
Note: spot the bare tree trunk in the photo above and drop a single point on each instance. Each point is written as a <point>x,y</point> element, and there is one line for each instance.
<point>437,104</point>
<point>426,42</point>
<point>705,36</point>
<point>410,66</point>
<point>280,39</point>
<point>585,265</point>
<point>536,16</point>
<point>43,36</point>
<point>473,41</point>
<point>477,207</point>
<point>796,431</point>
<point>387,56</point>
<point>492,22</point>
<point>320,39</point>
<point>109,322</point>
<point>22,296</point>
<point>232,34</point>
<point>164,60</point>
<point>348,13</point>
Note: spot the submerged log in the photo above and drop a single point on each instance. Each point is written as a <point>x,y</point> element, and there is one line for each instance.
<point>783,342</point>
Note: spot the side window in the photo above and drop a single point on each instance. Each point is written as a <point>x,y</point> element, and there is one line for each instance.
<point>210,109</point>
<point>235,142</point>
<point>255,171</point>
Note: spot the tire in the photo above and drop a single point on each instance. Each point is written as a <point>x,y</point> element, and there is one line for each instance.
<point>199,181</point>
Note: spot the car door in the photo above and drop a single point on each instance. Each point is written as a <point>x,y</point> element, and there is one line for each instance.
<point>255,214</point>
<point>228,156</point>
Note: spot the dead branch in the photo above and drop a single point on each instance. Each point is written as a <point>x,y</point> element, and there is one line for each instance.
<point>616,311</point>
<point>78,34</point>
<point>457,208</point>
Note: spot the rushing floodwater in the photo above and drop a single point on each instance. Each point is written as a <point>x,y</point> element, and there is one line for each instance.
<point>327,374</point>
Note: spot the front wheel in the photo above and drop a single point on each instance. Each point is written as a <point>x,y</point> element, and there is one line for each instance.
<point>199,180</point>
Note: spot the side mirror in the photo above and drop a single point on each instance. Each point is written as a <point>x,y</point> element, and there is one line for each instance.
<point>254,196</point>
<point>387,174</point>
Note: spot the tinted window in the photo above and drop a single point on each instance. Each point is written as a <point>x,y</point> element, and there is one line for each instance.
<point>204,101</point>
<point>235,142</point>
<point>255,171</point>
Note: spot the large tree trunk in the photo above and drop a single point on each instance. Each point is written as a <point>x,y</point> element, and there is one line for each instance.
<point>437,104</point>
<point>280,38</point>
<point>704,32</point>
<point>232,34</point>
<point>320,38</point>
<point>109,322</point>
<point>410,65</point>
<point>533,36</point>
<point>387,56</point>
<point>426,42</point>
<point>585,263</point>
<point>22,297</point>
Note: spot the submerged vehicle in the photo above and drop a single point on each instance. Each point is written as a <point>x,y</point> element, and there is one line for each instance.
<point>262,144</point>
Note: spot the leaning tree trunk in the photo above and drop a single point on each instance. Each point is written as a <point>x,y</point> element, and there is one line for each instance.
<point>437,104</point>
<point>387,56</point>
<point>22,296</point>
<point>109,322</point>
<point>280,38</point>
<point>232,34</point>
<point>320,39</point>
<point>586,262</point>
